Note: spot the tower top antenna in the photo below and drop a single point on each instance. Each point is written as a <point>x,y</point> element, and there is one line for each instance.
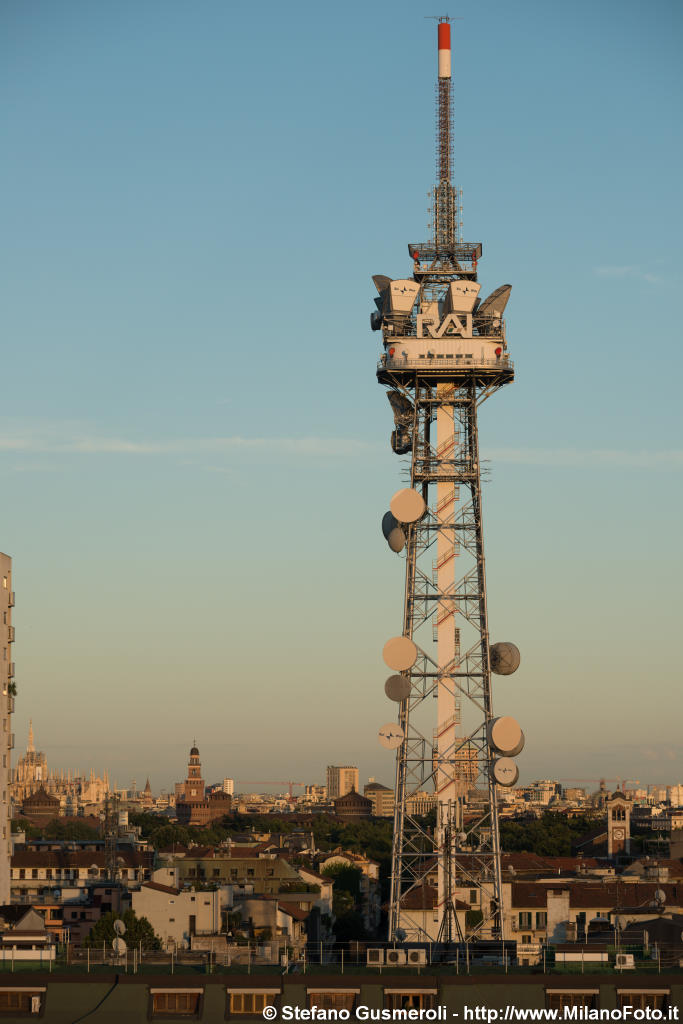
<point>445,205</point>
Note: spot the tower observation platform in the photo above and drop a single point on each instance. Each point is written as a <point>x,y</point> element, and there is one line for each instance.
<point>435,323</point>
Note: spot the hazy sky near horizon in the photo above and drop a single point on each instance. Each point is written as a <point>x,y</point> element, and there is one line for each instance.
<point>194,448</point>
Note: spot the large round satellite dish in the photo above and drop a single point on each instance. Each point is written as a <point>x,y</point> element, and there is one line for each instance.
<point>391,736</point>
<point>505,771</point>
<point>119,926</point>
<point>505,659</point>
<point>400,653</point>
<point>660,896</point>
<point>397,688</point>
<point>408,505</point>
<point>505,736</point>
<point>119,945</point>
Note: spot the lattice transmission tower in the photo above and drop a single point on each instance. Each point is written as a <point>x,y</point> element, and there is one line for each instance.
<point>445,353</point>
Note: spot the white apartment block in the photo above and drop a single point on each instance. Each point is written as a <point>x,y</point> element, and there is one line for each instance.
<point>341,779</point>
<point>7,739</point>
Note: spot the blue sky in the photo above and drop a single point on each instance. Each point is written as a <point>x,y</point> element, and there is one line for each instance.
<point>194,448</point>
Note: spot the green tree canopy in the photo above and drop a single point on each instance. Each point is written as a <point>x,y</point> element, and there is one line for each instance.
<point>138,930</point>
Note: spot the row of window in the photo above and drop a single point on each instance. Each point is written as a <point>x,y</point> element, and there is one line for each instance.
<point>174,1002</point>
<point>525,919</point>
<point>70,873</point>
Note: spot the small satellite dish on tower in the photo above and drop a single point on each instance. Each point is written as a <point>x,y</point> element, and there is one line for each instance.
<point>397,688</point>
<point>119,946</point>
<point>505,736</point>
<point>505,772</point>
<point>391,736</point>
<point>393,534</point>
<point>119,926</point>
<point>408,505</point>
<point>400,653</point>
<point>504,659</point>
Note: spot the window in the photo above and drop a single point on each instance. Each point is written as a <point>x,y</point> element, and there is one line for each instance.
<point>655,999</point>
<point>339,999</point>
<point>409,1000</point>
<point>474,895</point>
<point>16,1001</point>
<point>541,919</point>
<point>251,1002</point>
<point>525,919</point>
<point>559,999</point>
<point>175,1004</point>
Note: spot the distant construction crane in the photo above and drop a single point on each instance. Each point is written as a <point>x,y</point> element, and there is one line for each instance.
<point>272,782</point>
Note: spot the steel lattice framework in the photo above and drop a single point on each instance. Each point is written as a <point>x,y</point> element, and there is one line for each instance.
<point>443,358</point>
<point>445,604</point>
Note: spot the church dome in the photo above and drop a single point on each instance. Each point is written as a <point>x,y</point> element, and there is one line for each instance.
<point>194,752</point>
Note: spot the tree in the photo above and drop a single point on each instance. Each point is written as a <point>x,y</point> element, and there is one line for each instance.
<point>138,930</point>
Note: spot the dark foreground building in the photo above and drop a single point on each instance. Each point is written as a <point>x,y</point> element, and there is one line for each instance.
<point>112,998</point>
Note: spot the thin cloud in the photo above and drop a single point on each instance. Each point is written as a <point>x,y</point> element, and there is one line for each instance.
<point>588,457</point>
<point>628,271</point>
<point>302,447</point>
<point>48,443</point>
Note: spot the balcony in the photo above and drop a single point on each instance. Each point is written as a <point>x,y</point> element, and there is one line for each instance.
<point>11,599</point>
<point>10,634</point>
<point>10,670</point>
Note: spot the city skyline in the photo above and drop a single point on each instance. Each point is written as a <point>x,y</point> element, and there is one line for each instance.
<point>192,439</point>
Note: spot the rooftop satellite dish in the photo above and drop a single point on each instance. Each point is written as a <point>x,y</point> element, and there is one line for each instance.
<point>400,653</point>
<point>495,303</point>
<point>505,659</point>
<point>408,505</point>
<point>401,934</point>
<point>93,869</point>
<point>119,926</point>
<point>660,896</point>
<point>391,736</point>
<point>119,946</point>
<point>397,688</point>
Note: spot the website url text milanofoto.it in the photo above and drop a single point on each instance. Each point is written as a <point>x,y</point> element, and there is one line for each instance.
<point>473,1013</point>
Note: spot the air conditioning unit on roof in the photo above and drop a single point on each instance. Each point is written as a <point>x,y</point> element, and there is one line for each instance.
<point>374,957</point>
<point>417,956</point>
<point>396,957</point>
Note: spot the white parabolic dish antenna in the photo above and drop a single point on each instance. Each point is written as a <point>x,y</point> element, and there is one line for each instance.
<point>407,505</point>
<point>391,736</point>
<point>119,945</point>
<point>505,771</point>
<point>400,653</point>
<point>397,688</point>
<point>119,926</point>
<point>505,736</point>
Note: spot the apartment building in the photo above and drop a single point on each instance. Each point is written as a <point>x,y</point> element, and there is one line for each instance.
<point>341,779</point>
